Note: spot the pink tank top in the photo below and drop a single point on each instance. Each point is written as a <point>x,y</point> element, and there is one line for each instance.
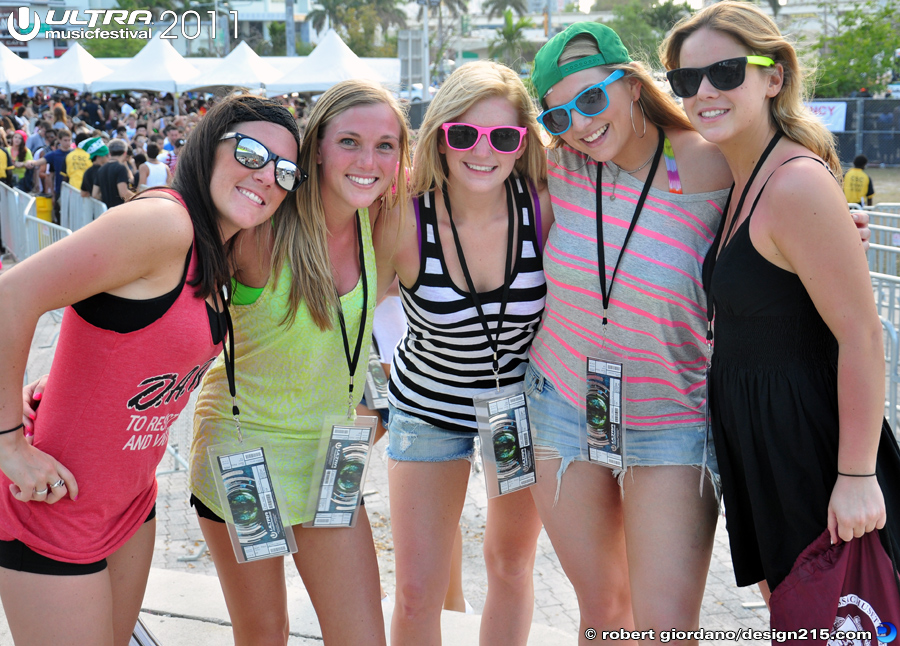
<point>105,415</point>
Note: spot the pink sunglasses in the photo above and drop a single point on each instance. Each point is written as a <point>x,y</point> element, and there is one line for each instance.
<point>464,136</point>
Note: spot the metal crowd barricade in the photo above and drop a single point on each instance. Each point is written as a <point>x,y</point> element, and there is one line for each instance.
<point>14,204</point>
<point>884,218</point>
<point>76,211</point>
<point>884,259</point>
<point>886,290</point>
<point>888,236</point>
<point>888,207</point>
<point>40,233</point>
<point>892,376</point>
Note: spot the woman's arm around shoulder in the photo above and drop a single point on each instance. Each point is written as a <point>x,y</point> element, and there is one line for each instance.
<point>547,218</point>
<point>805,229</point>
<point>701,165</point>
<point>396,247</point>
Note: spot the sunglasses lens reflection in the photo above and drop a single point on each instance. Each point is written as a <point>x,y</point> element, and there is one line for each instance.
<point>286,175</point>
<point>461,137</point>
<point>556,121</point>
<point>506,139</point>
<point>724,75</point>
<point>250,153</point>
<point>592,101</point>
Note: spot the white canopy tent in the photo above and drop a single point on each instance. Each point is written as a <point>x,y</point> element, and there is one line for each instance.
<point>158,67</point>
<point>329,63</point>
<point>241,68</point>
<point>13,69</point>
<point>74,70</point>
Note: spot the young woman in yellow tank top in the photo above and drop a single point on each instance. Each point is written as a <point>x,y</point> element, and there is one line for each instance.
<point>291,371</point>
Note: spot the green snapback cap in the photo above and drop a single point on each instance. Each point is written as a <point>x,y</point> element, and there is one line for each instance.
<point>547,71</point>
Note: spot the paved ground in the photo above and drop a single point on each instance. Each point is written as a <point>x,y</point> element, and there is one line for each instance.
<point>178,537</point>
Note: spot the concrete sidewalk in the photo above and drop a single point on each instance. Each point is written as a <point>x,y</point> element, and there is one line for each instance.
<point>184,604</point>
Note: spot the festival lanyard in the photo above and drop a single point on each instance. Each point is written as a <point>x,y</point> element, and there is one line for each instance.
<point>710,306</point>
<point>507,275</point>
<point>354,360</point>
<point>228,351</point>
<point>601,251</point>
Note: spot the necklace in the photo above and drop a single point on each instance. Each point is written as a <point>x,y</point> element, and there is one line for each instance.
<point>619,169</point>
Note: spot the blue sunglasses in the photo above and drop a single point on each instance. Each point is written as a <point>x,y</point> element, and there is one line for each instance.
<point>591,102</point>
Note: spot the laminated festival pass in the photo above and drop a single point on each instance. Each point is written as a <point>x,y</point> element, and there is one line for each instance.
<point>604,411</point>
<point>376,383</point>
<point>341,471</point>
<point>249,496</point>
<point>505,433</point>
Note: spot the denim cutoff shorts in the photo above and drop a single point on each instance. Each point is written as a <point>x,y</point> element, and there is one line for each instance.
<point>556,428</point>
<point>412,439</point>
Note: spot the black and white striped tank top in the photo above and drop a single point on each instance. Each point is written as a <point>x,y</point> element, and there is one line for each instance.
<point>445,358</point>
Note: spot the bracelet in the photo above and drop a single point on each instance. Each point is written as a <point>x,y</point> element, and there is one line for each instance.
<point>856,475</point>
<point>13,430</point>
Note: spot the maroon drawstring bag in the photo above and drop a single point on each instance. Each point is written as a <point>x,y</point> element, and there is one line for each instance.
<point>844,588</point>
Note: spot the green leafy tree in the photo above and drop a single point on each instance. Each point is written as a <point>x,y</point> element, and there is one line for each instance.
<point>156,7</point>
<point>454,8</point>
<point>638,36</point>
<point>332,10</point>
<point>860,53</point>
<point>113,48</point>
<point>389,13</point>
<point>642,27</point>
<point>496,7</point>
<point>609,5</point>
<point>663,16</point>
<point>510,44</point>
<point>277,42</point>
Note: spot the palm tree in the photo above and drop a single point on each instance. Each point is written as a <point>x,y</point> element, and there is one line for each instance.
<point>497,7</point>
<point>330,10</point>
<point>510,43</point>
<point>454,8</point>
<point>389,13</point>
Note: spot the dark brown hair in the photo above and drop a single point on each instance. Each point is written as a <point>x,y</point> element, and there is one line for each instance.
<point>194,171</point>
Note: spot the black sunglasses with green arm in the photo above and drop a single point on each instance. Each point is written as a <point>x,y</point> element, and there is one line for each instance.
<point>723,75</point>
<point>252,154</point>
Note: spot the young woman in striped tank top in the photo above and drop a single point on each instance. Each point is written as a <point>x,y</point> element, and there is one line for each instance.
<point>479,175</point>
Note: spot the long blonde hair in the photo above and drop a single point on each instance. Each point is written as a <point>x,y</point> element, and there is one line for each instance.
<point>464,88</point>
<point>660,108</point>
<point>758,33</point>
<point>302,240</point>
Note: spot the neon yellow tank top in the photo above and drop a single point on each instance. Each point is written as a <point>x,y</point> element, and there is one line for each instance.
<point>288,380</point>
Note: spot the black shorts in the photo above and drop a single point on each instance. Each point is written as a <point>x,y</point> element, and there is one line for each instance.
<point>205,512</point>
<point>16,555</point>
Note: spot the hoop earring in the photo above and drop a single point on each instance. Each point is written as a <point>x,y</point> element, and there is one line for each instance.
<point>643,115</point>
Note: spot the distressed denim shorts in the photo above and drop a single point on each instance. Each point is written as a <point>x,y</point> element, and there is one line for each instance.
<point>412,439</point>
<point>557,434</point>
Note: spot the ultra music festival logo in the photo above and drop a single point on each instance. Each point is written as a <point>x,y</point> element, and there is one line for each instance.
<point>25,24</point>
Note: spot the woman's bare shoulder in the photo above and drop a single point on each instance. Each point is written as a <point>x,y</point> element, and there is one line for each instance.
<point>701,165</point>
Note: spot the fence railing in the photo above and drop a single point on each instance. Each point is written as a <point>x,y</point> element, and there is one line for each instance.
<point>870,127</point>
<point>14,204</point>
<point>888,236</point>
<point>76,211</point>
<point>40,233</point>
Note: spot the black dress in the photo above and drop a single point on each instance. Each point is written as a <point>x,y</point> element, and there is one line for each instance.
<point>774,408</point>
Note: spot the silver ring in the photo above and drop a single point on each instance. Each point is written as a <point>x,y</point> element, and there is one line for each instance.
<point>41,492</point>
<point>58,483</point>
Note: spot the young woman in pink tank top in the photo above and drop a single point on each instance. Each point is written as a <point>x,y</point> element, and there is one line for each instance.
<point>141,327</point>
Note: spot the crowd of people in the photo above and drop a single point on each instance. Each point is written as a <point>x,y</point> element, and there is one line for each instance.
<point>748,351</point>
<point>45,142</point>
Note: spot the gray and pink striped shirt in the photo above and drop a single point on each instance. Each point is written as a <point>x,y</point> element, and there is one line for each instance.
<point>657,311</point>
